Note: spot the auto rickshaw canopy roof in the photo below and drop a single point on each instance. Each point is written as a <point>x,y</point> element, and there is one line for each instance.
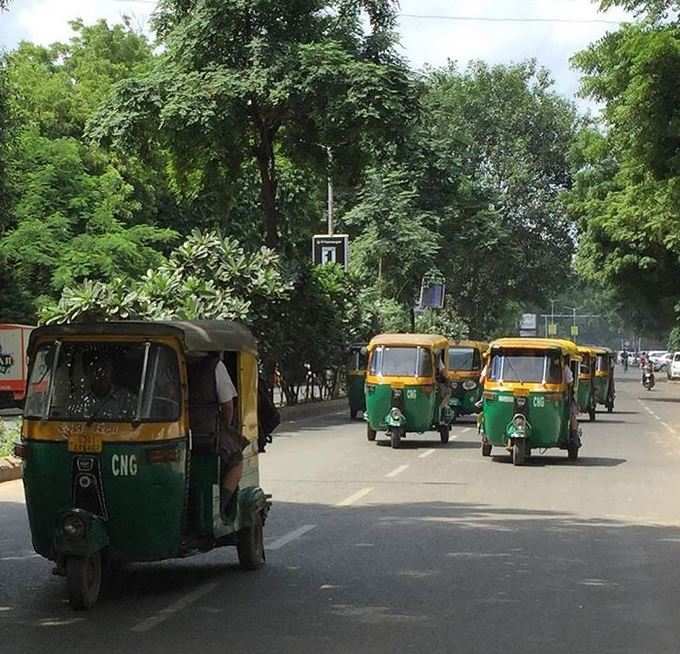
<point>432,341</point>
<point>565,346</point>
<point>196,335</point>
<point>600,349</point>
<point>590,350</point>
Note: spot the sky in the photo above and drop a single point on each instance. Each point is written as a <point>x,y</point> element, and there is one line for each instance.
<point>424,41</point>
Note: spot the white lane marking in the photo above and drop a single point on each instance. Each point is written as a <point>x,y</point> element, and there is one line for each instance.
<point>179,605</point>
<point>462,431</point>
<point>348,501</point>
<point>425,454</point>
<point>667,426</point>
<point>398,470</point>
<point>290,536</point>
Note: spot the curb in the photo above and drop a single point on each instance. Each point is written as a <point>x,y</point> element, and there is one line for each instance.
<point>312,410</point>
<point>10,468</point>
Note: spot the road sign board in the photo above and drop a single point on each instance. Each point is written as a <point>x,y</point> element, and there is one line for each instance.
<point>552,329</point>
<point>574,330</point>
<point>432,295</point>
<point>528,321</point>
<point>330,249</point>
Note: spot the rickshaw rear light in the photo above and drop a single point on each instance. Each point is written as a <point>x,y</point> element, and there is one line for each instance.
<point>21,451</point>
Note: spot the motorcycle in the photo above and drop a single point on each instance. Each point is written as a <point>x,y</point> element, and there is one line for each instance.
<point>648,380</point>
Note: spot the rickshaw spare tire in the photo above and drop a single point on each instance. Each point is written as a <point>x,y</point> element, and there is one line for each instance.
<point>370,433</point>
<point>250,545</point>
<point>444,433</point>
<point>486,448</point>
<point>84,580</point>
<point>395,438</point>
<point>519,452</point>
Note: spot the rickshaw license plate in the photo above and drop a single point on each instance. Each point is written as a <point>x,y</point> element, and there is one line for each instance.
<point>85,443</point>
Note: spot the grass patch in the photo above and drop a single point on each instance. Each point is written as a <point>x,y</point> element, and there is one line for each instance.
<point>9,433</point>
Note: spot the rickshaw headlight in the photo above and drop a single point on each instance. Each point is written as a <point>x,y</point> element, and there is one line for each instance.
<point>469,385</point>
<point>74,526</point>
<point>519,421</point>
<point>395,414</point>
<point>454,384</point>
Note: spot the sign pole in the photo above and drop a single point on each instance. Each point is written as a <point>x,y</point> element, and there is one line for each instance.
<point>330,191</point>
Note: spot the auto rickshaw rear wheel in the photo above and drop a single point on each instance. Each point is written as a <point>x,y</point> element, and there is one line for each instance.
<point>395,438</point>
<point>84,580</point>
<point>519,452</point>
<point>250,546</point>
<point>572,452</point>
<point>610,406</point>
<point>592,413</point>
<point>370,433</point>
<point>444,433</point>
<point>486,448</point>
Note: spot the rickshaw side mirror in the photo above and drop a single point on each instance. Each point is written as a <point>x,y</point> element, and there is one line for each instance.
<point>364,351</point>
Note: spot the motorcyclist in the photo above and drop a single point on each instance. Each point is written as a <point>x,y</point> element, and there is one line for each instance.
<point>648,373</point>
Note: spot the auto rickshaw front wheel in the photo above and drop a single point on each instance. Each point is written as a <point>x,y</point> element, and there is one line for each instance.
<point>519,452</point>
<point>370,433</point>
<point>250,546</point>
<point>395,437</point>
<point>84,580</point>
<point>486,448</point>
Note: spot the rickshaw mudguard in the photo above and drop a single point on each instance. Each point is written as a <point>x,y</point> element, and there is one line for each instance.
<point>394,420</point>
<point>251,500</point>
<point>94,538</point>
<point>514,432</point>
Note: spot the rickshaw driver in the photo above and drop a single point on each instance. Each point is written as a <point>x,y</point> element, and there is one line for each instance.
<point>103,398</point>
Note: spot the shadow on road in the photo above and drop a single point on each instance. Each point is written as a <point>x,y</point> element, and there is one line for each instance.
<point>422,577</point>
<point>582,461</point>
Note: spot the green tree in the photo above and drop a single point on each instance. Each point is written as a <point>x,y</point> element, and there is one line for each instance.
<point>261,82</point>
<point>626,196</point>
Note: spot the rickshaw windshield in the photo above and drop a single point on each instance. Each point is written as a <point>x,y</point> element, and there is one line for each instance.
<point>104,382</point>
<point>525,365</point>
<point>401,362</point>
<point>464,358</point>
<point>602,362</point>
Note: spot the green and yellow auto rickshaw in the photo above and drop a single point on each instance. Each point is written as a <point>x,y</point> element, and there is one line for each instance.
<point>585,398</point>
<point>605,391</point>
<point>114,468</point>
<point>407,386</point>
<point>356,378</point>
<point>466,359</point>
<point>528,398</point>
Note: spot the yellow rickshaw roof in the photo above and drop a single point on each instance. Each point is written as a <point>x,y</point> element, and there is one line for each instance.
<point>587,349</point>
<point>433,341</point>
<point>482,346</point>
<point>600,349</point>
<point>566,347</point>
<point>196,335</point>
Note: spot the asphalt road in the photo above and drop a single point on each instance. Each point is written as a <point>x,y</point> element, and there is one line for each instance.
<point>427,549</point>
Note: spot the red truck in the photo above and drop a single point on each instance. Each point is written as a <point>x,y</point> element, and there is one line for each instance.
<point>13,365</point>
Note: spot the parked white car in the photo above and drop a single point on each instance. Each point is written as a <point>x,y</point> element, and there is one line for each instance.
<point>657,359</point>
<point>673,370</point>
